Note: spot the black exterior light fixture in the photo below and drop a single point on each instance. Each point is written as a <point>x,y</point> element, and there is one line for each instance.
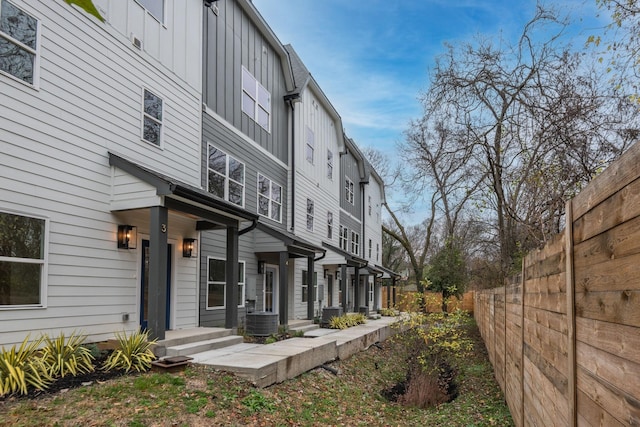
<point>209,3</point>
<point>189,248</point>
<point>260,267</point>
<point>127,236</point>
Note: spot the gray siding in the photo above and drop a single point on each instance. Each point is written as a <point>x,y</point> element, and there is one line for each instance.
<point>255,162</point>
<point>349,168</point>
<point>231,41</point>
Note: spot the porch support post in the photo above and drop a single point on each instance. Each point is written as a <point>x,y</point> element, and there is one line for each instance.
<point>310,288</point>
<point>376,302</point>
<point>283,296</point>
<point>388,293</point>
<point>231,284</point>
<point>345,287</point>
<point>356,290</point>
<point>367,288</point>
<point>158,260</point>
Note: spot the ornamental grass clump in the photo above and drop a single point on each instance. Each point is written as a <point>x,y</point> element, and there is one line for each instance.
<point>67,356</point>
<point>23,368</point>
<point>133,353</point>
<point>347,320</point>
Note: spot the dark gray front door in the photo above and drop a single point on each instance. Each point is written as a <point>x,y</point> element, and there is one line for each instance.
<point>144,287</point>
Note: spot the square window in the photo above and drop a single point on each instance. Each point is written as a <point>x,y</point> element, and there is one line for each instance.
<point>310,144</point>
<point>216,283</point>
<point>22,260</point>
<point>256,100</point>
<point>329,225</point>
<point>269,198</point>
<point>225,176</point>
<point>310,209</point>
<point>18,43</point>
<point>329,164</point>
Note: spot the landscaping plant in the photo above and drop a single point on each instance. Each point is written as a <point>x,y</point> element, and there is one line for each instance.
<point>347,320</point>
<point>133,353</point>
<point>67,356</point>
<point>23,368</point>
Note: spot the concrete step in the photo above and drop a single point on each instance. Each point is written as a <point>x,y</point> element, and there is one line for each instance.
<point>305,328</point>
<point>203,345</point>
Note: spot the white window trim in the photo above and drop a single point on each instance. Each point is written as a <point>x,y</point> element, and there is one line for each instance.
<point>226,176</point>
<point>143,114</point>
<point>310,215</point>
<point>162,20</point>
<point>355,243</point>
<point>257,106</point>
<point>344,238</point>
<point>329,225</point>
<point>271,182</point>
<point>349,190</point>
<point>224,296</point>
<point>44,271</point>
<point>36,62</point>
<point>310,145</point>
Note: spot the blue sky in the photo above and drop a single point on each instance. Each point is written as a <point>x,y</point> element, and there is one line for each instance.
<point>371,57</point>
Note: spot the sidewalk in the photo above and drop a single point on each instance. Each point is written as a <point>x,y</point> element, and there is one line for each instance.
<point>267,364</point>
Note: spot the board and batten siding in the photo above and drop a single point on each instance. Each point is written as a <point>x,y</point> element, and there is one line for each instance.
<point>232,41</point>
<point>349,169</point>
<point>54,142</point>
<point>373,221</point>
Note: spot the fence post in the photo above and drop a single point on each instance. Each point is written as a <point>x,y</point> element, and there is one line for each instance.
<point>571,317</point>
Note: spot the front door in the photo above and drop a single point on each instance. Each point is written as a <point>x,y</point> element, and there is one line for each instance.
<point>144,287</point>
<point>270,285</point>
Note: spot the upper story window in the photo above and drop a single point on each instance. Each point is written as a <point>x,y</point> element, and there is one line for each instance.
<point>355,243</point>
<point>152,126</point>
<point>154,7</point>
<point>310,214</point>
<point>269,198</point>
<point>22,260</point>
<point>329,225</point>
<point>370,247</point>
<point>377,252</point>
<point>329,164</point>
<point>19,34</point>
<point>225,176</point>
<point>344,237</point>
<point>256,100</point>
<point>348,190</point>
<point>310,144</point>
<point>369,205</point>
<point>217,281</point>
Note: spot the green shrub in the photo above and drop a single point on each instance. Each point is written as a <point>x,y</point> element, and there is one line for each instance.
<point>390,312</point>
<point>23,368</point>
<point>67,356</point>
<point>347,320</point>
<point>133,353</point>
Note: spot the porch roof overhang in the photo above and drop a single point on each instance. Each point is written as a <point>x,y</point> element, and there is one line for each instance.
<point>387,273</point>
<point>296,247</point>
<point>186,198</point>
<point>350,259</point>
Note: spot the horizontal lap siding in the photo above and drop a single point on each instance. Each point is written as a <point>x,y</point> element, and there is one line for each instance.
<point>54,143</point>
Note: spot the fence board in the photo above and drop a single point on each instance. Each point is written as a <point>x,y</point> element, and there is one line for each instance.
<point>615,306</point>
<point>618,242</point>
<point>621,340</point>
<point>609,397</point>
<point>591,414</point>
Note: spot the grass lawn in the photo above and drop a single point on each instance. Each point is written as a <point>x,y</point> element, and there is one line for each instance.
<point>199,396</point>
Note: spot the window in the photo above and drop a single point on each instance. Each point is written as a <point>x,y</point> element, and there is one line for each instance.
<point>269,198</point>
<point>225,176</point>
<point>217,281</point>
<point>329,225</point>
<point>152,118</point>
<point>256,100</point>
<point>355,243</point>
<point>305,286</point>
<point>369,205</point>
<point>372,289</point>
<point>22,260</point>
<point>310,210</point>
<point>348,190</point>
<point>344,237</point>
<point>370,247</point>
<point>154,7</point>
<point>329,164</point>
<point>19,34</point>
<point>310,144</point>
<point>377,252</point>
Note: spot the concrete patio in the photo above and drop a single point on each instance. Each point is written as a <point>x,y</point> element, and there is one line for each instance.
<point>267,364</point>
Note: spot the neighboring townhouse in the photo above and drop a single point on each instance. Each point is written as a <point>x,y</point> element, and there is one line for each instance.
<point>316,180</point>
<point>100,167</point>
<point>372,238</point>
<point>248,98</point>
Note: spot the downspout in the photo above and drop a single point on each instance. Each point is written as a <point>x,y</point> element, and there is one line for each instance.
<point>248,229</point>
<point>291,100</point>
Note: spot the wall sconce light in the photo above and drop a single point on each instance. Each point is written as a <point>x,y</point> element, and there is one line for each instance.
<point>260,267</point>
<point>127,237</point>
<point>189,248</point>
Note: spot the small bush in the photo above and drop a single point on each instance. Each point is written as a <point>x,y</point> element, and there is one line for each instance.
<point>347,320</point>
<point>23,368</point>
<point>133,353</point>
<point>388,312</point>
<point>67,356</point>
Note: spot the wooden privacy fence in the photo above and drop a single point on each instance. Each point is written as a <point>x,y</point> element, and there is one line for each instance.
<point>564,337</point>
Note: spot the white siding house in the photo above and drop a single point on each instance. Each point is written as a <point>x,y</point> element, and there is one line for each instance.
<point>73,90</point>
